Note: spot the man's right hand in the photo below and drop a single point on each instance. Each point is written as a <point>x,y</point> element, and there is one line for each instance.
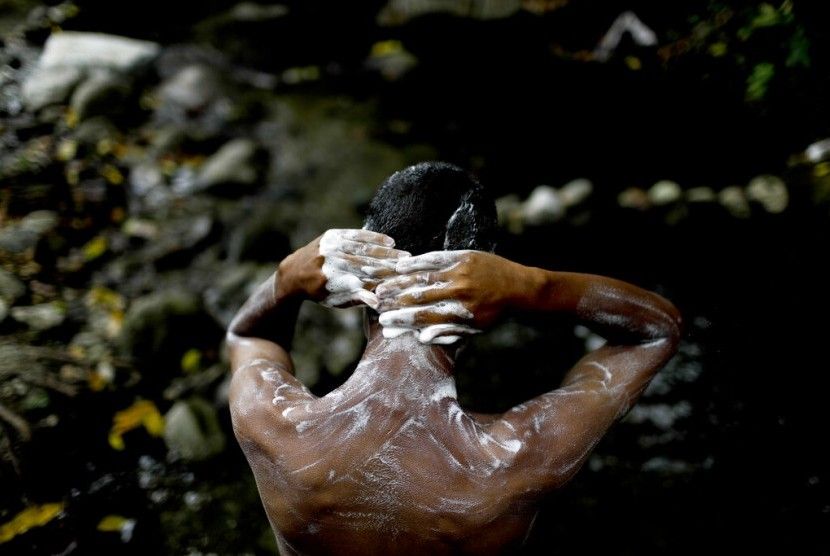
<point>340,268</point>
<point>466,287</point>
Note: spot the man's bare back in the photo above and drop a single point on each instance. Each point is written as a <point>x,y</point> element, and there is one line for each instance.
<point>389,462</point>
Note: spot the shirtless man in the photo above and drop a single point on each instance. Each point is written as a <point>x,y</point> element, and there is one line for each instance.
<point>389,463</point>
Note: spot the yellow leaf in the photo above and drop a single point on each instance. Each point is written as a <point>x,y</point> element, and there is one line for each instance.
<point>141,413</point>
<point>112,174</point>
<point>821,169</point>
<point>116,442</point>
<point>112,523</point>
<point>191,360</point>
<point>633,63</point>
<point>67,149</point>
<point>31,517</point>
<point>717,49</point>
<point>95,247</point>
<point>385,48</point>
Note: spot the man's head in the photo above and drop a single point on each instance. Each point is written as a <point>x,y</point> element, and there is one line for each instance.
<point>434,206</point>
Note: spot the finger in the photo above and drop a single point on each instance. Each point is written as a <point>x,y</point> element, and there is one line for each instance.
<point>365,236</point>
<point>359,266</point>
<point>437,313</point>
<point>418,295</point>
<point>435,260</point>
<point>350,299</point>
<point>371,250</point>
<point>445,333</point>
<point>397,285</point>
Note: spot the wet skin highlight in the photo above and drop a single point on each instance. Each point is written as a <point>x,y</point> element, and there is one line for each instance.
<point>389,463</point>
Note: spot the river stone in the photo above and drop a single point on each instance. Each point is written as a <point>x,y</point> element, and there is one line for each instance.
<point>701,195</point>
<point>24,234</point>
<point>192,430</point>
<point>734,200</point>
<point>10,287</point>
<point>576,191</point>
<point>40,317</point>
<point>664,192</point>
<point>101,93</point>
<point>233,164</point>
<point>191,88</point>
<point>96,50</point>
<point>544,206</point>
<point>769,191</point>
<point>43,88</point>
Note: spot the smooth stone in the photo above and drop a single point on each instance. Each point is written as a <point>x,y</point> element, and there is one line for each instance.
<point>102,93</point>
<point>543,206</point>
<point>233,163</point>
<point>192,430</point>
<point>701,195</point>
<point>576,191</point>
<point>40,317</point>
<point>817,151</point>
<point>89,50</point>
<point>11,288</point>
<point>45,87</point>
<point>734,200</point>
<point>664,192</point>
<point>769,191</point>
<point>635,198</point>
<point>191,88</point>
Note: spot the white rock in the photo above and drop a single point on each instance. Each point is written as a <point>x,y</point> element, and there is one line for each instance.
<point>90,50</point>
<point>576,191</point>
<point>232,163</point>
<point>43,88</point>
<point>664,192</point>
<point>544,206</point>
<point>770,191</point>
<point>818,151</point>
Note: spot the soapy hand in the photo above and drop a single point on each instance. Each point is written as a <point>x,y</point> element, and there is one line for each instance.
<point>341,268</point>
<point>445,294</point>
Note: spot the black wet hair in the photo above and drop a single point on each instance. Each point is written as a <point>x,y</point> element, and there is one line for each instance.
<point>434,206</point>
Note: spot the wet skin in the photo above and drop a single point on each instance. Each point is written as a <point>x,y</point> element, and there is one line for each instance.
<point>389,463</point>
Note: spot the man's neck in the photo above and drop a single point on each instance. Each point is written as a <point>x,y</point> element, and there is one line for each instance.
<point>405,358</point>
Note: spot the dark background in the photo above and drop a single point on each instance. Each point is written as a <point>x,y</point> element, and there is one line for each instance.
<point>725,450</point>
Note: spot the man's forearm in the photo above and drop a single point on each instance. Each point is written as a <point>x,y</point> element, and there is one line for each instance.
<point>270,313</point>
<point>623,312</point>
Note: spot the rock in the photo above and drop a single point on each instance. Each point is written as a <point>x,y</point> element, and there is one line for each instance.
<point>733,199</point>
<point>25,233</point>
<point>192,88</point>
<point>544,206</point>
<point>634,198</point>
<point>179,239</point>
<point>231,288</point>
<point>4,309</point>
<point>10,287</point>
<point>769,191</point>
<point>152,322</point>
<point>93,130</point>
<point>250,11</point>
<point>701,195</point>
<point>96,50</point>
<point>192,430</point>
<point>509,210</point>
<point>40,317</point>
<point>43,88</point>
<point>102,93</point>
<point>234,164</point>
<point>398,12</point>
<point>576,191</point>
<point>664,192</point>
<point>818,151</point>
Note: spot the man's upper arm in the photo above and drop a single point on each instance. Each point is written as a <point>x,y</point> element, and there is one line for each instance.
<point>263,373</point>
<point>560,428</point>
